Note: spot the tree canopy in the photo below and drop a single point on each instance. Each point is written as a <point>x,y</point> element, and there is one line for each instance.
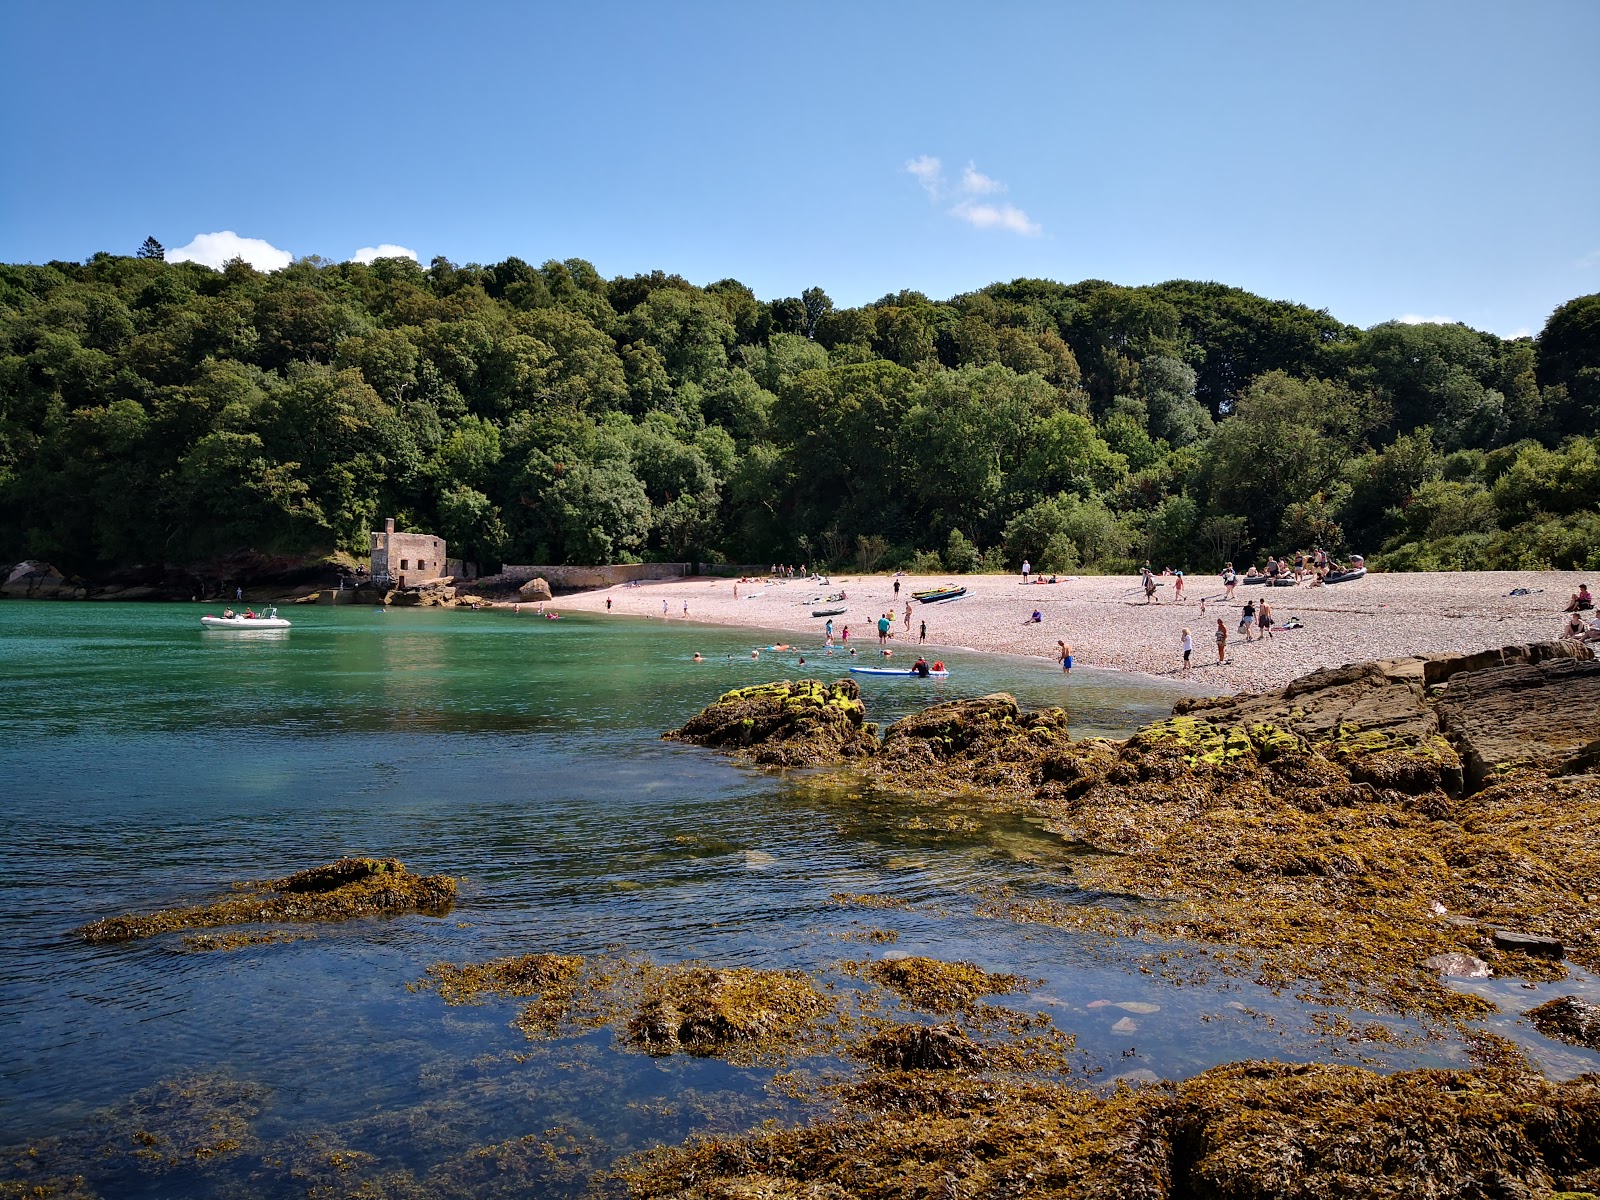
<point>154,411</point>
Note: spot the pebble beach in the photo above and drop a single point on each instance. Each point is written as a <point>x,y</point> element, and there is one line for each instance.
<point>1108,624</point>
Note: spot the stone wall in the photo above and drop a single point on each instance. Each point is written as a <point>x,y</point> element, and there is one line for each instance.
<point>579,579</point>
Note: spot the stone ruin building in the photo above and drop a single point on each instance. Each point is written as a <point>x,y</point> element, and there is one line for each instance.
<point>407,559</point>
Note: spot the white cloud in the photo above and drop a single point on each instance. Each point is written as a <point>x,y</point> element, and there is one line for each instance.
<point>1517,333</point>
<point>929,173</point>
<point>370,254</point>
<point>975,183</point>
<point>1414,319</point>
<point>215,249</point>
<point>990,216</point>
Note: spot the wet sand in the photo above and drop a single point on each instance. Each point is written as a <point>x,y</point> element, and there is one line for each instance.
<point>1107,623</point>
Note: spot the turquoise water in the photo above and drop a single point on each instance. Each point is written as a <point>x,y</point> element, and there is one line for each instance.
<point>147,764</point>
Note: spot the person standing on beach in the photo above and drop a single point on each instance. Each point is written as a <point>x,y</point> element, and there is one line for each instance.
<point>1177,586</point>
<point>897,588</point>
<point>827,631</point>
<point>1264,619</point>
<point>844,639</point>
<point>922,631</point>
<point>1188,649</point>
<point>908,616</point>
<point>1247,619</point>
<point>608,603</point>
<point>1222,642</point>
<point>884,625</point>
<point>1026,568</point>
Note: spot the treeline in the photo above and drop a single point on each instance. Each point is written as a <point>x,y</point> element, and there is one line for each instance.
<point>154,412</point>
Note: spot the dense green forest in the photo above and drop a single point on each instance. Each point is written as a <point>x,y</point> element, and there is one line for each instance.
<point>157,412</point>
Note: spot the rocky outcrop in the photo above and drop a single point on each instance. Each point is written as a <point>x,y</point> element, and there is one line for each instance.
<point>535,591</point>
<point>788,724</point>
<point>40,581</point>
<point>1329,833</point>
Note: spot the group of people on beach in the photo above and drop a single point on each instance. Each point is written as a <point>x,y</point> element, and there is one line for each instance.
<point>1578,629</point>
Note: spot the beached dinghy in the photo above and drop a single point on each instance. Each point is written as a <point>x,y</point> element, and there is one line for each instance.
<point>267,620</point>
<point>1345,576</point>
<point>829,612</point>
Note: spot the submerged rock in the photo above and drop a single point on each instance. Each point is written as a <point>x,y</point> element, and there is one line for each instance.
<point>788,724</point>
<point>338,891</point>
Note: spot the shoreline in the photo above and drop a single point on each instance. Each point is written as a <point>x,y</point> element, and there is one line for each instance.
<point>1110,628</point>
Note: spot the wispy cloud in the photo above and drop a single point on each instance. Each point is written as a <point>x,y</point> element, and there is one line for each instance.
<point>960,199</point>
<point>1591,259</point>
<point>371,254</point>
<point>997,216</point>
<point>927,171</point>
<point>216,249</point>
<point>1414,319</point>
<point>975,183</point>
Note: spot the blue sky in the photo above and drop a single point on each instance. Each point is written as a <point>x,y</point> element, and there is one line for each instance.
<point>1433,160</point>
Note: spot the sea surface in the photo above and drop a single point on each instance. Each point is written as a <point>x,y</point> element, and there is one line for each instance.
<point>145,763</point>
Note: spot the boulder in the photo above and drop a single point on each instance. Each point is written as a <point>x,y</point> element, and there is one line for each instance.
<point>534,591</point>
<point>40,581</point>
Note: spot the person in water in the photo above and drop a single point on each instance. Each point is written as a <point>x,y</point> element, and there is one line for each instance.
<point>697,657</point>
<point>920,667</point>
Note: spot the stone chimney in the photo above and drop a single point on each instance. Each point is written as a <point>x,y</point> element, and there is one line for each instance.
<point>388,525</point>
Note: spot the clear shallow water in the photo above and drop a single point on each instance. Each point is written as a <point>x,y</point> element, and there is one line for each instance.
<point>147,764</point>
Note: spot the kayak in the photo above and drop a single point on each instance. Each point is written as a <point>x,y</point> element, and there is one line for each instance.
<point>829,612</point>
<point>896,671</point>
<point>940,594</point>
<point>243,623</point>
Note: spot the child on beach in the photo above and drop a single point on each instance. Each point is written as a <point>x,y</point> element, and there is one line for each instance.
<point>1222,642</point>
<point>1188,649</point>
<point>1177,586</point>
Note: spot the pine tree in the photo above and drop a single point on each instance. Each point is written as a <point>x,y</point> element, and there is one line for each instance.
<point>153,249</point>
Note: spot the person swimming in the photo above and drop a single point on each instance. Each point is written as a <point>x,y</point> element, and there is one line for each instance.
<point>697,657</point>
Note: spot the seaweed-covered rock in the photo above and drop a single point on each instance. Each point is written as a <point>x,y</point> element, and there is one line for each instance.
<point>987,743</point>
<point>939,987</point>
<point>338,891</point>
<point>1569,1019</point>
<point>706,1011</point>
<point>921,1048</point>
<point>787,724</point>
<point>1242,1132</point>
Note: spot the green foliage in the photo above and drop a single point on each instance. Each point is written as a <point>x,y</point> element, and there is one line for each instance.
<point>960,555</point>
<point>155,411</point>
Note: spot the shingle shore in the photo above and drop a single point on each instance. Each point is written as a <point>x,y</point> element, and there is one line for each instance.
<point>1107,623</point>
